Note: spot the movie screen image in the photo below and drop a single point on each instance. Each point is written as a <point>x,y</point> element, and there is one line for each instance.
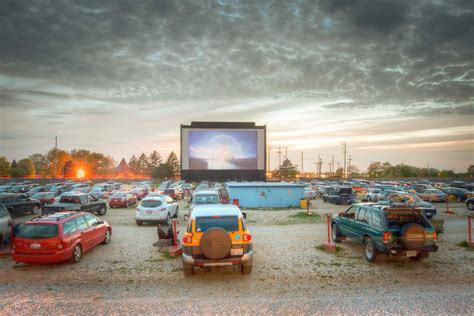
<point>223,150</point>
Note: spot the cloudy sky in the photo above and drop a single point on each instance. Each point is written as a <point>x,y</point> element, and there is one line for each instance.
<point>393,79</point>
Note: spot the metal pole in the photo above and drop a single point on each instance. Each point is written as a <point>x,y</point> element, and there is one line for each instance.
<point>469,228</point>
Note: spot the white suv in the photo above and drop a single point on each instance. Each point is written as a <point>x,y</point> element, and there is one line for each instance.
<point>156,209</point>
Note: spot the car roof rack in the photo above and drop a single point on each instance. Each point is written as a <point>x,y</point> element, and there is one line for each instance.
<point>55,216</point>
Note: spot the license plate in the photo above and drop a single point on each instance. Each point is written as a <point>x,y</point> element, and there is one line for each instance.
<point>35,246</point>
<point>237,252</point>
<point>411,253</point>
<point>149,212</point>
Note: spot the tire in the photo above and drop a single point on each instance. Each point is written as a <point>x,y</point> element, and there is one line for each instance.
<point>107,237</point>
<point>470,206</point>
<point>35,210</point>
<point>188,269</point>
<point>139,223</point>
<point>418,257</point>
<point>76,254</point>
<point>215,244</point>
<point>412,236</point>
<point>335,233</point>
<point>246,269</point>
<point>369,250</point>
<point>102,210</point>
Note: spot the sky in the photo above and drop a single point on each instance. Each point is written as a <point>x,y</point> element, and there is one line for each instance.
<point>392,78</point>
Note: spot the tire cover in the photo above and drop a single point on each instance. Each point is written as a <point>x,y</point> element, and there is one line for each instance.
<point>215,244</point>
<point>413,236</point>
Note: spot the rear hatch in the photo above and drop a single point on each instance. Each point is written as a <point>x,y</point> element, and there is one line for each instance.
<point>397,219</point>
<point>37,239</point>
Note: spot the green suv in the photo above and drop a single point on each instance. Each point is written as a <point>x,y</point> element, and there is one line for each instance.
<point>393,230</point>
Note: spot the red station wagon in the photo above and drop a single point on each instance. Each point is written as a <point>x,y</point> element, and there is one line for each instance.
<point>59,237</point>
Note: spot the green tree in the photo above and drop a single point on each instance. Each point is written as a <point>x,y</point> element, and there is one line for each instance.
<point>27,166</point>
<point>134,165</point>
<point>4,167</point>
<point>340,172</point>
<point>154,161</point>
<point>56,159</point>
<point>470,171</point>
<point>17,171</point>
<point>287,171</point>
<point>41,164</point>
<point>142,164</point>
<point>173,162</point>
<point>163,171</point>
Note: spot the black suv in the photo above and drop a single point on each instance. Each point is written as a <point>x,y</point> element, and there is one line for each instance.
<point>393,230</point>
<point>339,196</point>
<point>18,204</point>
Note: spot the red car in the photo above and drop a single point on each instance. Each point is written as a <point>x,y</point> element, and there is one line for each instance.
<point>59,237</point>
<point>122,199</point>
<point>45,198</point>
<point>140,193</point>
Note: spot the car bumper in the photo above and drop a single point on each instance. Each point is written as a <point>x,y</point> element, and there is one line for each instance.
<point>117,204</point>
<point>59,256</point>
<point>400,251</point>
<point>243,260</point>
<point>151,217</point>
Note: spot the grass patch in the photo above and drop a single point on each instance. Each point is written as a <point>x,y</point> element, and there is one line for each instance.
<point>465,245</point>
<point>167,255</point>
<point>321,248</point>
<point>177,269</point>
<point>301,218</point>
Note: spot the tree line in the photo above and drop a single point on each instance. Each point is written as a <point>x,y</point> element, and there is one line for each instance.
<point>154,166</point>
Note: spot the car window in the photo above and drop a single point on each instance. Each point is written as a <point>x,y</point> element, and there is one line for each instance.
<point>151,203</point>
<point>206,199</point>
<point>69,227</point>
<point>361,214</point>
<point>81,223</point>
<point>38,231</point>
<point>228,223</point>
<point>91,220</point>
<point>376,220</point>
<point>3,211</point>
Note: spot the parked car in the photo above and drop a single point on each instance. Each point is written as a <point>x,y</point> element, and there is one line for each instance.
<point>432,195</point>
<point>391,230</point>
<point>172,192</point>
<point>460,194</point>
<point>374,195</point>
<point>100,192</point>
<point>156,209</point>
<point>19,204</point>
<point>204,197</point>
<point>339,196</point>
<point>6,223</point>
<point>77,202</point>
<point>309,193</point>
<point>59,237</point>
<point>140,193</point>
<point>36,190</point>
<point>470,203</point>
<point>122,199</point>
<point>45,198</point>
<point>217,235</point>
<point>411,200</point>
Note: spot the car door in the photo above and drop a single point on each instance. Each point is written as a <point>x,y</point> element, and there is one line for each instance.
<point>360,225</point>
<point>86,233</point>
<point>98,230</point>
<point>171,205</point>
<point>346,222</point>
<point>374,227</point>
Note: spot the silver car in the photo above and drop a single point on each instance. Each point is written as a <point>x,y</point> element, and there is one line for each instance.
<point>5,223</point>
<point>156,209</point>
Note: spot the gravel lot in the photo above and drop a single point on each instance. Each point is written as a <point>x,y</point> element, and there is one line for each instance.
<point>290,275</point>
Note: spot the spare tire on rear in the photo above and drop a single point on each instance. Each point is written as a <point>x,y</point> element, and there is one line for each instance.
<point>216,244</point>
<point>413,236</point>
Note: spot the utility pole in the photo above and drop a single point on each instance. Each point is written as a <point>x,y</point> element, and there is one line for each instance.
<point>279,156</point>
<point>332,164</point>
<point>56,156</point>
<point>286,153</point>
<point>349,164</point>
<point>302,169</point>
<point>344,151</point>
<point>268,157</point>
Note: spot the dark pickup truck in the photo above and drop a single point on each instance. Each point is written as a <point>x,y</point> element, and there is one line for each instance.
<point>339,196</point>
<point>18,204</point>
<point>77,202</point>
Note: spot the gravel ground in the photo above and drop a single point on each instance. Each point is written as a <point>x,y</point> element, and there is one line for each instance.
<point>290,276</point>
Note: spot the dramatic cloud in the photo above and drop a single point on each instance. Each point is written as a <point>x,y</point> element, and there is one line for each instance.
<point>120,76</point>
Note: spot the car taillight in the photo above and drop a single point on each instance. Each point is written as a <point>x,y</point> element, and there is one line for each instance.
<point>60,244</point>
<point>435,236</point>
<point>187,239</point>
<point>247,237</point>
<point>163,209</point>
<point>386,237</point>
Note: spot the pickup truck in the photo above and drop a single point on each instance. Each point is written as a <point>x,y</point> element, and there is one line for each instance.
<point>77,202</point>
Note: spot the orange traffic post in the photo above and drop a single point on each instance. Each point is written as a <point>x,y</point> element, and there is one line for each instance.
<point>469,227</point>
<point>176,249</point>
<point>329,245</point>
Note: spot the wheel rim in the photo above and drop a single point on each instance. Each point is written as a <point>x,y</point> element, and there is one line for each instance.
<point>107,236</point>
<point>369,250</point>
<point>77,253</point>
<point>333,232</point>
<point>35,209</point>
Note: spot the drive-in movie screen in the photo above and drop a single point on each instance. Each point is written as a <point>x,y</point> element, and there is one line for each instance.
<point>222,149</point>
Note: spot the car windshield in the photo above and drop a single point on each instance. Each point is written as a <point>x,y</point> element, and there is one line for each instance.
<point>205,199</point>
<point>416,198</point>
<point>119,195</point>
<point>151,203</point>
<point>228,223</point>
<point>36,231</point>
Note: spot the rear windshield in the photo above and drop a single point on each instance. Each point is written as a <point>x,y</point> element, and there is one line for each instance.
<point>70,199</point>
<point>119,195</point>
<point>229,223</point>
<point>36,231</point>
<point>399,219</point>
<point>151,203</point>
<point>206,199</point>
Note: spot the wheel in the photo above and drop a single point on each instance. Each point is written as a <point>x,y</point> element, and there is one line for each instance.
<point>102,211</point>
<point>168,220</point>
<point>188,269</point>
<point>418,257</point>
<point>76,254</point>
<point>369,198</point>
<point>369,250</point>
<point>35,210</point>
<point>470,206</point>
<point>139,223</point>
<point>246,269</point>
<point>107,237</point>
<point>335,234</point>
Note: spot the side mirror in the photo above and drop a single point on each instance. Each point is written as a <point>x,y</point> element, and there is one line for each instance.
<point>244,215</point>
<point>101,222</point>
<point>341,214</point>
